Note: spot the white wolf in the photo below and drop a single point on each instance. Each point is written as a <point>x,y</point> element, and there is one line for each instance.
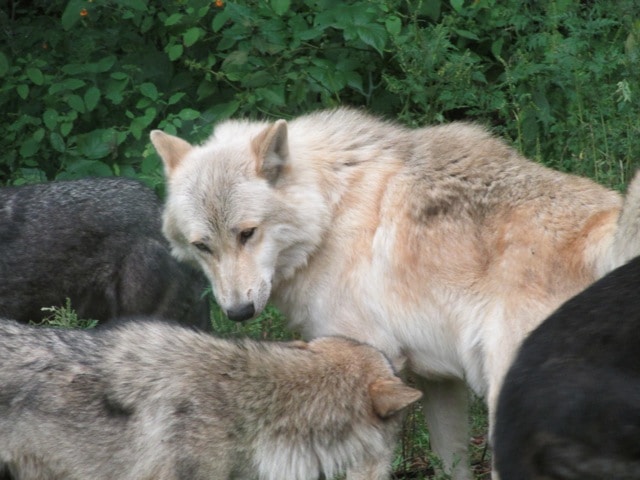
<point>442,246</point>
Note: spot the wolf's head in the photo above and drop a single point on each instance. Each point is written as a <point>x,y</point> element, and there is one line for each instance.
<point>239,208</point>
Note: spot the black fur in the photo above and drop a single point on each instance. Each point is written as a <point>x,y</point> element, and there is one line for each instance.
<point>570,404</point>
<point>98,242</point>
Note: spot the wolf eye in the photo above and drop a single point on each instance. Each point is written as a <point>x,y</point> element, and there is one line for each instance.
<point>201,246</point>
<point>246,235</point>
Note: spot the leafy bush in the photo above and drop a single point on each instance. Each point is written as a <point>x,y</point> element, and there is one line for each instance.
<point>83,81</point>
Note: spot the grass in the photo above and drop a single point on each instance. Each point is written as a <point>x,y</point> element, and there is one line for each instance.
<point>65,317</point>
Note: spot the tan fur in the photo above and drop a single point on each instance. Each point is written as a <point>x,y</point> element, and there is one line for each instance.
<point>150,400</point>
<point>440,245</point>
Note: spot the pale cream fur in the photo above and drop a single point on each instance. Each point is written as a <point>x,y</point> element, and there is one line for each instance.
<point>441,246</point>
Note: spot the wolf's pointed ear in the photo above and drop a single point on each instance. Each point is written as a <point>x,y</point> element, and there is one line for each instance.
<point>391,396</point>
<point>271,149</point>
<point>171,149</point>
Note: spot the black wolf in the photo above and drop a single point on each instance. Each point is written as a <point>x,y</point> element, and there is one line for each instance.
<point>570,405</point>
<point>97,242</point>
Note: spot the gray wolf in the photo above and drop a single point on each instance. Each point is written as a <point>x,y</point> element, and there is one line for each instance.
<point>439,245</point>
<point>155,400</point>
<point>97,242</point>
<point>569,408</point>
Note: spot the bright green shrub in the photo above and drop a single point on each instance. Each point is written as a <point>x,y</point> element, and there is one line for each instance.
<point>83,81</point>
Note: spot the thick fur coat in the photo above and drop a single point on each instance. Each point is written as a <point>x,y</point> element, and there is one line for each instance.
<point>98,242</point>
<point>440,245</point>
<point>154,400</point>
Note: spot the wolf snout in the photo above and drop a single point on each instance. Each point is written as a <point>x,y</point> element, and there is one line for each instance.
<point>241,312</point>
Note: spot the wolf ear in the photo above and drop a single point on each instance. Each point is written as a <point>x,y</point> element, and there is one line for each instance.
<point>271,150</point>
<point>391,396</point>
<point>171,149</point>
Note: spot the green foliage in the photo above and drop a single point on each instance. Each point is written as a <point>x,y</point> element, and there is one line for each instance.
<point>270,325</point>
<point>84,81</point>
<point>64,316</point>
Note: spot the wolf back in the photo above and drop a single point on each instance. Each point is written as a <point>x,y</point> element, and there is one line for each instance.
<point>98,242</point>
<point>145,400</point>
<point>570,405</point>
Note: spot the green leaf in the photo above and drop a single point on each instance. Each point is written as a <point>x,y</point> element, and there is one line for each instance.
<point>235,58</point>
<point>150,164</point>
<point>91,98</point>
<point>173,19</point>
<point>96,144</point>
<point>119,76</point>
<point>373,35</point>
<point>50,118</point>
<point>149,90</point>
<point>139,5</point>
<point>29,147</point>
<point>65,128</point>
<point>139,124</point>
<point>23,91</point>
<point>280,6</point>
<point>175,52</point>
<point>274,95</point>
<point>466,34</point>
<point>105,64</point>
<point>457,5</point>
<point>175,98</point>
<point>82,167</point>
<point>189,114</point>
<point>66,84</point>
<point>35,75</point>
<point>309,34</point>
<point>75,68</point>
<point>38,135</point>
<point>147,24</point>
<point>143,103</point>
<point>113,90</point>
<point>224,110</point>
<point>4,65</point>
<point>259,78</point>
<point>203,11</point>
<point>192,35</point>
<point>75,102</point>
<point>57,142</point>
<point>496,47</point>
<point>71,14</point>
<point>219,20</point>
<point>393,25</point>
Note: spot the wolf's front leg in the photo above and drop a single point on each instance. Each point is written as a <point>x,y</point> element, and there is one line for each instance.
<point>446,409</point>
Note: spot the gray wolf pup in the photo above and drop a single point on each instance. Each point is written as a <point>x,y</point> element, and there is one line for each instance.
<point>146,400</point>
<point>97,242</point>
<point>569,408</point>
<point>440,245</point>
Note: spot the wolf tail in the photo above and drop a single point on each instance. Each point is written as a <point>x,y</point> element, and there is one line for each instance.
<point>626,241</point>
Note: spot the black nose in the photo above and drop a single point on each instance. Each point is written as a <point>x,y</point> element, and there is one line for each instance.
<point>241,313</point>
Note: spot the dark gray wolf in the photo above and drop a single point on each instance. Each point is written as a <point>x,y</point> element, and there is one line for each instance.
<point>146,400</point>
<point>570,405</point>
<point>97,242</point>
<point>441,245</point>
